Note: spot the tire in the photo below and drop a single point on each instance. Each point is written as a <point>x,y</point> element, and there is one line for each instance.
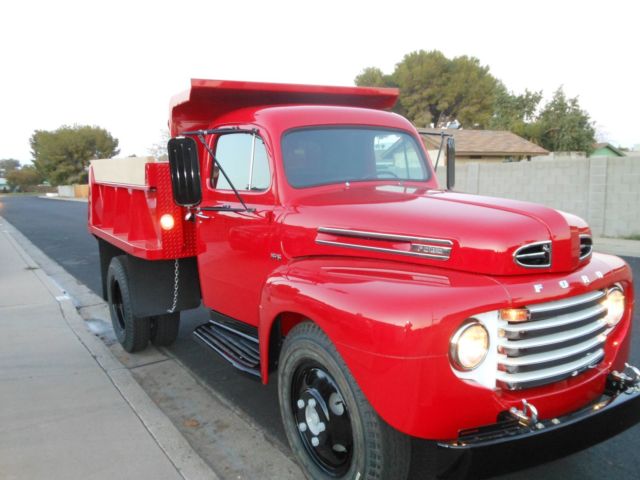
<point>312,374</point>
<point>132,332</point>
<point>164,329</point>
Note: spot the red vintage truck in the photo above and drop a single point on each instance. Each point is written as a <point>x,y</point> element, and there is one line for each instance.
<point>310,223</point>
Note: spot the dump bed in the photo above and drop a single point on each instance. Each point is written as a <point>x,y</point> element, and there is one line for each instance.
<point>128,198</point>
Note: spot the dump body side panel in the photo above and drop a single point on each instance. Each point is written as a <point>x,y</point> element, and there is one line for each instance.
<point>127,215</point>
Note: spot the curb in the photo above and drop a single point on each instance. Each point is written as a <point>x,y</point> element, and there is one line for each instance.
<point>64,199</point>
<point>186,461</point>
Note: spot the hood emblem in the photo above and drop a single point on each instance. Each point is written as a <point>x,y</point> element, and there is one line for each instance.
<point>534,255</point>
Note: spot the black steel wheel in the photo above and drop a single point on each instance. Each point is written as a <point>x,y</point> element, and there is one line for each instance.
<point>132,332</point>
<point>331,427</point>
<point>323,420</point>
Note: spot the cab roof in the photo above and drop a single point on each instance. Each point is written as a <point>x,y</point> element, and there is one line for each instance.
<point>207,100</point>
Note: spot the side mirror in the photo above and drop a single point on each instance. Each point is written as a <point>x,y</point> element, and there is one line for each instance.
<point>451,163</point>
<point>185,171</point>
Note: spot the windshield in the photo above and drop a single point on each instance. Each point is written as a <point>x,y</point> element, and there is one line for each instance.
<point>320,156</point>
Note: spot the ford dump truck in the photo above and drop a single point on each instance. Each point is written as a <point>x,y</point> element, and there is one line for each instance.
<point>310,223</point>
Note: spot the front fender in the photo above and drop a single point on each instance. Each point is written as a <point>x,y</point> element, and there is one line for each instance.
<point>390,322</point>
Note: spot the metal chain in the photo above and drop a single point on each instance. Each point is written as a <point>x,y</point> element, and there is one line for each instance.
<point>176,278</point>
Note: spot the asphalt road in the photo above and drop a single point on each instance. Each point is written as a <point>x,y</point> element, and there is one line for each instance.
<point>59,229</point>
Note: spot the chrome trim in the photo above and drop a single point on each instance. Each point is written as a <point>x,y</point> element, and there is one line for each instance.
<point>554,338</point>
<point>529,245</point>
<point>587,255</point>
<point>383,236</point>
<point>551,355</point>
<point>453,345</point>
<point>382,250</point>
<point>560,321</point>
<point>420,247</point>
<point>577,365</point>
<point>566,302</point>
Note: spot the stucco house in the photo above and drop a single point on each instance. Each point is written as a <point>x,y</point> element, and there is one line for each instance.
<point>483,146</point>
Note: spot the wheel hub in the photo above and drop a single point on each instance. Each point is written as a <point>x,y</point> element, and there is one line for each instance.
<point>323,421</point>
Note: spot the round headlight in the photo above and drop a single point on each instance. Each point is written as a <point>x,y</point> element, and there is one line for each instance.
<point>615,306</point>
<point>469,346</point>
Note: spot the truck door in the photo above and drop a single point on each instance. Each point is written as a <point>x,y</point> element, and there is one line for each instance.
<point>235,244</point>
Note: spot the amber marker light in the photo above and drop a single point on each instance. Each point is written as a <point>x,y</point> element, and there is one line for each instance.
<point>167,222</point>
<point>515,315</point>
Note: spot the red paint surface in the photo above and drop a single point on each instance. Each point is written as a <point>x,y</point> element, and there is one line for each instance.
<point>390,316</point>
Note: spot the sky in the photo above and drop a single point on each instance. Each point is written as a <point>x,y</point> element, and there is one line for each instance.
<point>116,64</point>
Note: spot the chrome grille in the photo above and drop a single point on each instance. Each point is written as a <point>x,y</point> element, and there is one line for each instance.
<point>534,255</point>
<point>562,339</point>
<point>586,246</point>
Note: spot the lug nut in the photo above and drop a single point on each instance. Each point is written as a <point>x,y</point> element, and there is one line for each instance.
<point>302,427</point>
<point>315,442</point>
<point>312,403</point>
<point>321,427</point>
<point>300,404</point>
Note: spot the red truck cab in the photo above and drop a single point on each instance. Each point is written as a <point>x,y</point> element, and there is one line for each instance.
<point>310,222</point>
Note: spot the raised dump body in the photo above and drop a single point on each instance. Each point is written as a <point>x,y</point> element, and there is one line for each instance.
<point>128,199</point>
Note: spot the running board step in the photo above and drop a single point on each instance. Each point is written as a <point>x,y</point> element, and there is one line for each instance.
<point>238,348</point>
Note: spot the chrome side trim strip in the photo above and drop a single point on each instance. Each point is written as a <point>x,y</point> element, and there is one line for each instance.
<point>384,250</point>
<point>383,236</point>
<point>566,302</point>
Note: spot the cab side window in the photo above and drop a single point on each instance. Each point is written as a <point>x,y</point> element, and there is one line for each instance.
<point>244,158</point>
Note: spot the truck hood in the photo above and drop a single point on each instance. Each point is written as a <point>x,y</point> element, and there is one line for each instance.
<point>434,227</point>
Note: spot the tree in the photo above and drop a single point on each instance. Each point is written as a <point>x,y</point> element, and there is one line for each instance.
<point>7,165</point>
<point>159,150</point>
<point>436,90</point>
<point>62,156</point>
<point>515,113</point>
<point>24,177</point>
<point>564,126</point>
<point>374,77</point>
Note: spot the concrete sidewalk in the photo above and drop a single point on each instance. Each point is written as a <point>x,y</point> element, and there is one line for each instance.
<point>68,408</point>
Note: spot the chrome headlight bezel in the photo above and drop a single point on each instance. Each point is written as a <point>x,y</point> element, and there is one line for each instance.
<point>616,304</point>
<point>458,341</point>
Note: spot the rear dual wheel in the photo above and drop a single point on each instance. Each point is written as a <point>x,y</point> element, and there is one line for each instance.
<point>331,427</point>
<point>134,333</point>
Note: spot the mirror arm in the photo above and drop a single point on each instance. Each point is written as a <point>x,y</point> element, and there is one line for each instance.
<point>200,134</point>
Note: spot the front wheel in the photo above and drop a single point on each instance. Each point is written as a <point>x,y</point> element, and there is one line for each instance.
<point>331,427</point>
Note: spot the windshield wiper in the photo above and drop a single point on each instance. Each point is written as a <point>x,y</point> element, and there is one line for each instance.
<point>200,134</point>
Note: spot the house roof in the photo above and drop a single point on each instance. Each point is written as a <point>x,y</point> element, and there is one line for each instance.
<point>618,152</point>
<point>484,142</point>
